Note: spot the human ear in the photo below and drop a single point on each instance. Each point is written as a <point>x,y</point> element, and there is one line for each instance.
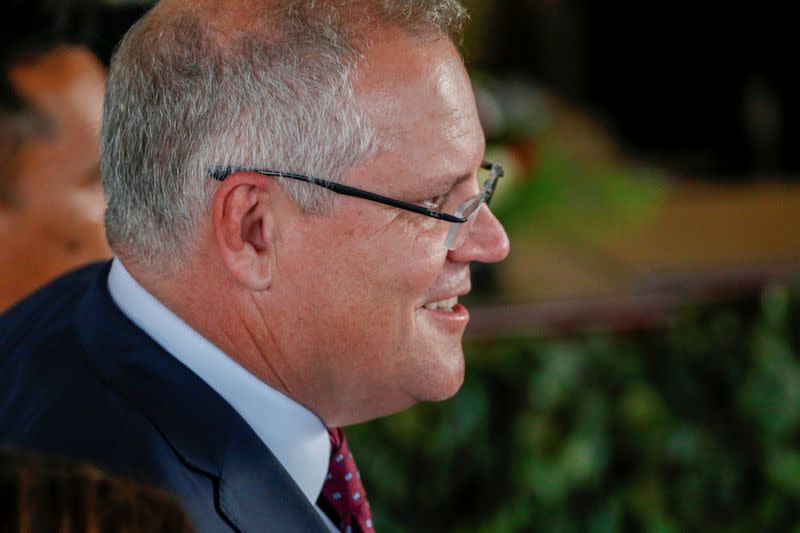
<point>243,228</point>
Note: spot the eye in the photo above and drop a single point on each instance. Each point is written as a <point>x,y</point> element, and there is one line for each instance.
<point>435,202</point>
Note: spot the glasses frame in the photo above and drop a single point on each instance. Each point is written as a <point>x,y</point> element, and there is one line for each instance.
<point>484,196</point>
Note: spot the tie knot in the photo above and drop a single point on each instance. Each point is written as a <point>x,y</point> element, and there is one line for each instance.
<point>337,438</point>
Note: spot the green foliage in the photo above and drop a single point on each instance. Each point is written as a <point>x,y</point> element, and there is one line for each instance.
<point>691,428</point>
<point>585,199</point>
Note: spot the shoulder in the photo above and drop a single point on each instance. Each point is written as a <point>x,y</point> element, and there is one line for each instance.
<point>78,379</point>
<point>40,359</point>
<point>41,367</point>
<point>52,399</point>
<point>49,310</point>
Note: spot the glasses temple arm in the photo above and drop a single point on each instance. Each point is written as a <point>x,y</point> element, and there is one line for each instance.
<point>221,173</point>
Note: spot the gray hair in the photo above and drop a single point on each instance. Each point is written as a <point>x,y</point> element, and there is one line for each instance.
<point>183,97</point>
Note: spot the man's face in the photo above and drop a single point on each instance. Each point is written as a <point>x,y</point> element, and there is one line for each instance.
<point>56,220</point>
<point>355,284</point>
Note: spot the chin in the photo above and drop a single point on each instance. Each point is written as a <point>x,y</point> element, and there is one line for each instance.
<point>443,380</point>
<point>445,393</point>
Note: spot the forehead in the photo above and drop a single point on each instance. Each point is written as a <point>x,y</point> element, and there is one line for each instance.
<point>419,97</point>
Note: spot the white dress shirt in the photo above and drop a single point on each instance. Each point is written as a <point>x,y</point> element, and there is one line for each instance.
<point>295,435</point>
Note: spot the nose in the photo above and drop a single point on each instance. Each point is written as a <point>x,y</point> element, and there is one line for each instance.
<point>487,241</point>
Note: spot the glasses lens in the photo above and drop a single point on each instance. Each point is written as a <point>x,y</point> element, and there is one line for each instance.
<point>458,232</point>
<point>491,183</point>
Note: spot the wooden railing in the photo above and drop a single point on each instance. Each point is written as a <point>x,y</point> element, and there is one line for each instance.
<point>650,304</point>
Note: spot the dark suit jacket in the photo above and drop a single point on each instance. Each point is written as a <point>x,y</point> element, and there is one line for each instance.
<point>80,380</point>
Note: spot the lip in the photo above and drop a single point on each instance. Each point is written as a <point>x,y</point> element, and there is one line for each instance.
<point>453,321</point>
<point>444,296</point>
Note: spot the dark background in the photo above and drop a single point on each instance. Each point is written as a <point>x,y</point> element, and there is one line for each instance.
<point>705,87</point>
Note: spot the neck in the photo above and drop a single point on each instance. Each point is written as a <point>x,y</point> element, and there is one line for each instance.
<point>230,318</point>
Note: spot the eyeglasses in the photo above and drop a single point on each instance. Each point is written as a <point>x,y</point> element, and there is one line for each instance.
<point>460,222</point>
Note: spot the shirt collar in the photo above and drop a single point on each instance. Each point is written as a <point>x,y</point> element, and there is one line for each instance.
<point>295,435</point>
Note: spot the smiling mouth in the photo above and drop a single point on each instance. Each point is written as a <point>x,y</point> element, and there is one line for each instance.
<point>442,305</point>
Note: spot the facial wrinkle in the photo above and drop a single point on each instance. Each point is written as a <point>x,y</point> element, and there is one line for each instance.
<point>386,226</point>
<point>457,121</point>
<point>260,349</point>
<point>228,337</point>
<point>287,362</point>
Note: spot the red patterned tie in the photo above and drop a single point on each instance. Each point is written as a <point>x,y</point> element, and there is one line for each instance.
<point>343,489</point>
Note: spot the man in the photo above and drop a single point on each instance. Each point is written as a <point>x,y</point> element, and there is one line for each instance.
<point>51,200</point>
<point>294,202</point>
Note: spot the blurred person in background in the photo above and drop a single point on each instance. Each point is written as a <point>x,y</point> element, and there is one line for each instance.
<point>296,191</point>
<point>49,495</point>
<point>51,199</point>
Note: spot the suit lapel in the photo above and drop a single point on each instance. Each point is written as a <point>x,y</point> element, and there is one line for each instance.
<point>203,429</point>
<point>252,496</point>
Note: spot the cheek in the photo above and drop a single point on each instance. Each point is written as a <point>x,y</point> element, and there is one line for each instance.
<point>368,281</point>
<point>72,207</point>
<point>403,264</point>
<point>91,203</point>
<point>80,216</point>
<point>72,224</point>
<point>376,292</point>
